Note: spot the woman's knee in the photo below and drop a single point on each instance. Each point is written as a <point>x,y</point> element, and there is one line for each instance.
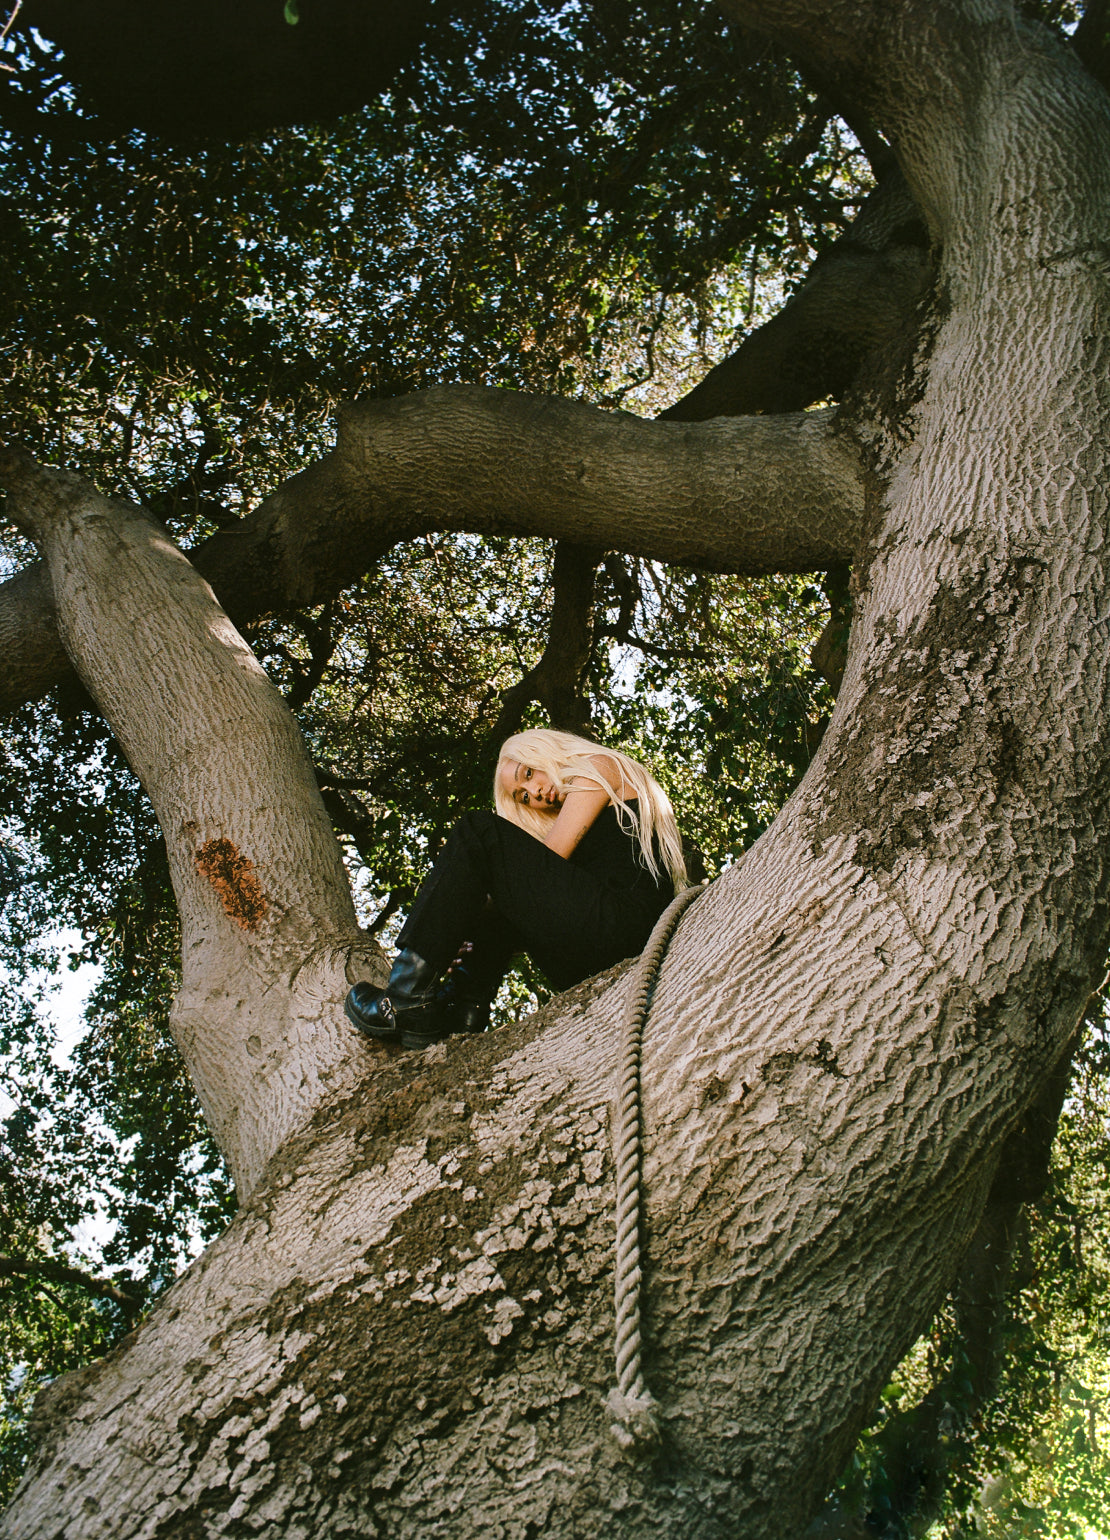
<point>473,831</point>
<point>476,823</point>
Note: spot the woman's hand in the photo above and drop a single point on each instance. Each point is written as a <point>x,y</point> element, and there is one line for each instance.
<point>572,809</point>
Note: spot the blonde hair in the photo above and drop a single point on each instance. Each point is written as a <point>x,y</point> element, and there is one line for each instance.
<point>565,757</point>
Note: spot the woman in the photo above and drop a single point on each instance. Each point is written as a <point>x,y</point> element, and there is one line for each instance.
<point>575,866</point>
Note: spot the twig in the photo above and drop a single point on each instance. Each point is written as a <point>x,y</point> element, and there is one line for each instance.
<point>8,25</point>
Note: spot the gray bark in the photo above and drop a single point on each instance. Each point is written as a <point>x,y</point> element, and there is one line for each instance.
<point>34,657</point>
<point>406,1331</point>
<point>268,926</point>
<point>750,495</point>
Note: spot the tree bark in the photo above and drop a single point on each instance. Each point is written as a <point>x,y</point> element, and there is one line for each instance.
<point>406,1331</point>
<point>268,926</point>
<point>751,495</point>
<point>34,657</point>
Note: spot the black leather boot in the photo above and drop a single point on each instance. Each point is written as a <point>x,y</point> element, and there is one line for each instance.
<point>405,1011</point>
<point>465,1004</point>
<point>474,977</point>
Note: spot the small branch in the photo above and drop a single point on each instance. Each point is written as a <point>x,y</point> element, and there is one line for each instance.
<point>396,898</point>
<point>352,819</point>
<point>61,1272</point>
<point>830,651</point>
<point>306,675</point>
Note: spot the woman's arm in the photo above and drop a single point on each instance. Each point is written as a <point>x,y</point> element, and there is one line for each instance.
<point>583,806</point>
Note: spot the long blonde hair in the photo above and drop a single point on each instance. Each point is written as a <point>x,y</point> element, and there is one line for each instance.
<point>565,757</point>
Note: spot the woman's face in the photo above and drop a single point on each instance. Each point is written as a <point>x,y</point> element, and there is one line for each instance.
<point>529,787</point>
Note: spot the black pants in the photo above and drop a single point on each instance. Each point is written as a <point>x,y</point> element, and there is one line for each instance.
<point>502,890</point>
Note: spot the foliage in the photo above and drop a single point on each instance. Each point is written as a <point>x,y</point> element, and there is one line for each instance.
<point>718,687</point>
<point>1043,1461</point>
<point>106,1168</point>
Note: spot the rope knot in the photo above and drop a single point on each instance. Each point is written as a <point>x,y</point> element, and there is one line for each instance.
<point>635,1424</point>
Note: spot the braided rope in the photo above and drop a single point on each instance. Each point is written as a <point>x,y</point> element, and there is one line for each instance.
<point>630,1402</point>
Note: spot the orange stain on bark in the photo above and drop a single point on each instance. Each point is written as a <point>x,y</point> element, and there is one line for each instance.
<point>233,878</point>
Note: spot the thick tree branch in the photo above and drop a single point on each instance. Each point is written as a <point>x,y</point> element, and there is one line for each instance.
<point>858,300</point>
<point>751,495</point>
<point>556,680</point>
<point>265,907</point>
<point>840,36</point>
<point>32,650</point>
<point>174,751</point>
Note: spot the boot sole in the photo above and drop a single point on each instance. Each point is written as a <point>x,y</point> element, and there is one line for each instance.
<point>420,1040</point>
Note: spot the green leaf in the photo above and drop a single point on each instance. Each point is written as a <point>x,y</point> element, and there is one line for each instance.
<point>292,12</point>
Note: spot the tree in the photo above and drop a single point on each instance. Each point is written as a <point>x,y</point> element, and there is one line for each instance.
<point>403,1327</point>
<point>132,269</point>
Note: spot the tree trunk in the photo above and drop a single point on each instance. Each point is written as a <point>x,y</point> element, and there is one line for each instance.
<point>406,1331</point>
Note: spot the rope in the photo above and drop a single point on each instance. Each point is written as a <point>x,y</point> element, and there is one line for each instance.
<point>630,1401</point>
